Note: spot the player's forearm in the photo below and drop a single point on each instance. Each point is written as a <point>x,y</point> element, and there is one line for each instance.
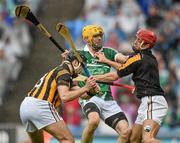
<point>113,64</point>
<point>112,76</point>
<point>120,58</point>
<point>71,95</point>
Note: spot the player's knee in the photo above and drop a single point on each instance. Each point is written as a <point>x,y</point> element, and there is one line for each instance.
<point>94,122</point>
<point>126,133</point>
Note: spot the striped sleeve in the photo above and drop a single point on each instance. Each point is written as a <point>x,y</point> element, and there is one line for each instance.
<point>63,77</point>
<point>130,66</point>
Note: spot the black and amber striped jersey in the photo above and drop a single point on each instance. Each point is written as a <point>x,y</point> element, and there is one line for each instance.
<point>46,87</point>
<point>144,69</point>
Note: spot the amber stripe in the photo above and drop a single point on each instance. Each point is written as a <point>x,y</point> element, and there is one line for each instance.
<point>130,61</point>
<point>45,84</point>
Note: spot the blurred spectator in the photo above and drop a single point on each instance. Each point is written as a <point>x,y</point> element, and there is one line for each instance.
<point>130,17</point>
<point>112,7</point>
<point>112,40</point>
<point>170,84</point>
<point>163,4</point>
<point>23,37</point>
<point>15,44</point>
<point>145,4</point>
<point>164,48</point>
<point>72,116</point>
<point>122,37</point>
<point>163,71</point>
<point>172,99</point>
<point>75,27</point>
<point>3,72</point>
<point>154,19</point>
<point>101,18</point>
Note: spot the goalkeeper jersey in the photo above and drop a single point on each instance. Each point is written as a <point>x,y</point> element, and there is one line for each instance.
<point>96,68</point>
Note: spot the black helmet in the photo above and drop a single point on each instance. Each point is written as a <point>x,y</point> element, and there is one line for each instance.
<point>74,70</point>
<point>72,56</point>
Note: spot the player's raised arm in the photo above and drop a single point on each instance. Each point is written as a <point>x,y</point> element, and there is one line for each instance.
<point>102,59</point>
<point>111,76</point>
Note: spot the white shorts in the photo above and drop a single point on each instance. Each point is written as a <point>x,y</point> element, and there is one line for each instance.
<point>153,108</point>
<point>106,108</point>
<point>37,114</point>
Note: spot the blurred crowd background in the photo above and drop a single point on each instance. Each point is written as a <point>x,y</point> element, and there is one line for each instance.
<point>16,42</point>
<point>120,20</point>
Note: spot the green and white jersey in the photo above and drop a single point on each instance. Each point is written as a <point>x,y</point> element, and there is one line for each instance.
<point>96,68</point>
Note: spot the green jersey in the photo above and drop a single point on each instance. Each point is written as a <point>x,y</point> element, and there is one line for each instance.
<point>96,68</point>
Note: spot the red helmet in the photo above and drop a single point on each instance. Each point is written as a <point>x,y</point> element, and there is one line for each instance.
<point>147,36</point>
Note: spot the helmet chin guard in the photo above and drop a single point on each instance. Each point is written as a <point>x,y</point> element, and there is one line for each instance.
<point>78,69</point>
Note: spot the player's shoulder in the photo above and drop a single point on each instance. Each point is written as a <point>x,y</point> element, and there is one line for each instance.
<point>85,53</point>
<point>109,50</point>
<point>135,56</point>
<point>60,70</point>
<point>82,50</point>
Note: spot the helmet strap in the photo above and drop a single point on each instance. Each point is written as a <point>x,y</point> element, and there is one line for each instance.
<point>142,47</point>
<point>78,68</point>
<point>74,70</point>
<point>70,66</point>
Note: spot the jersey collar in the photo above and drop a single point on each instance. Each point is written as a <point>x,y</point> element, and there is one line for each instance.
<point>87,49</point>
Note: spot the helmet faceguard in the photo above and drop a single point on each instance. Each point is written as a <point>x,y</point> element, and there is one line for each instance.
<point>91,31</point>
<point>74,69</point>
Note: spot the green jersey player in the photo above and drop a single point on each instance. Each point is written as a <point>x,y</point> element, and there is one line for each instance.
<point>101,107</point>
